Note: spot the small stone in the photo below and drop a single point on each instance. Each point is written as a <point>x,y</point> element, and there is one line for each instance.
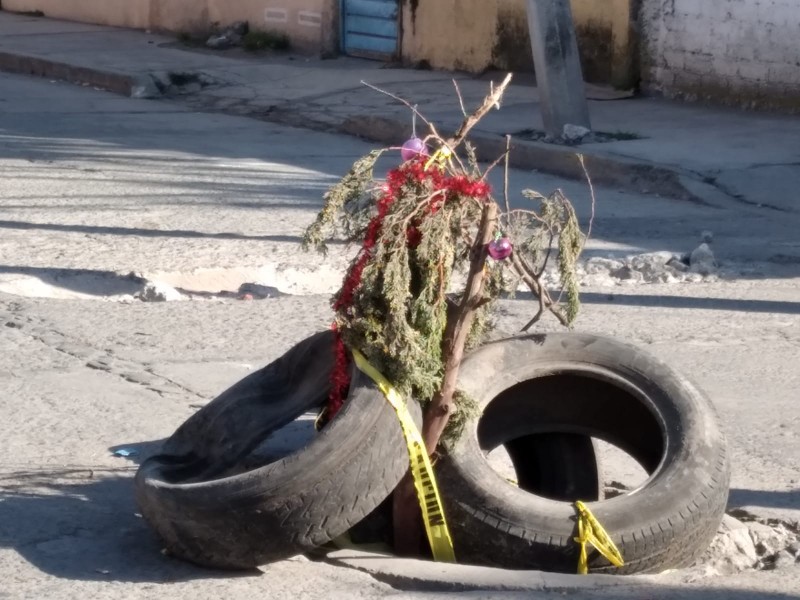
<point>145,88</point>
<point>669,277</point>
<point>732,550</point>
<point>677,264</point>
<point>598,265</point>
<point>702,260</point>
<point>653,265</point>
<point>598,280</point>
<point>256,290</point>
<point>628,273</point>
<point>784,559</point>
<point>661,257</point>
<point>794,548</point>
<point>768,540</point>
<point>299,558</point>
<point>574,133</point>
<point>219,42</point>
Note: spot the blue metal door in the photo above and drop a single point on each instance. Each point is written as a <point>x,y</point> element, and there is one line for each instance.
<point>370,28</point>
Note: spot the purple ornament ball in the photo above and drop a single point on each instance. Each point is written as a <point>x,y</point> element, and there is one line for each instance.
<point>412,148</point>
<point>501,248</point>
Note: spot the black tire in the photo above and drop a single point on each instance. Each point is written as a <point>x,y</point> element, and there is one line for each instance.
<point>592,386</point>
<point>559,466</point>
<point>217,502</point>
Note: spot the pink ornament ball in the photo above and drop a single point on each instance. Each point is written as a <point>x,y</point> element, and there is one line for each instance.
<point>501,248</point>
<point>412,148</point>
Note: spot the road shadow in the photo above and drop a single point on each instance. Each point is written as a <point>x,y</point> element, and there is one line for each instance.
<point>105,284</point>
<point>217,161</point>
<point>82,523</point>
<point>788,499</point>
<point>687,302</point>
<point>139,232</point>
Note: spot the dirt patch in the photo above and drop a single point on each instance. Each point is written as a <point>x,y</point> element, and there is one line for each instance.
<point>747,542</point>
<point>594,137</point>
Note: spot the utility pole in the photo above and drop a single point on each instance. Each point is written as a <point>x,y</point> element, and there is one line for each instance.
<point>557,63</point>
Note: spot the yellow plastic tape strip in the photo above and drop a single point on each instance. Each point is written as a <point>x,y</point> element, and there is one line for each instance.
<point>591,532</point>
<point>430,501</point>
<point>441,156</point>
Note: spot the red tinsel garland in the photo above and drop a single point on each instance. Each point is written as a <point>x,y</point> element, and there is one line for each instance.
<point>414,171</point>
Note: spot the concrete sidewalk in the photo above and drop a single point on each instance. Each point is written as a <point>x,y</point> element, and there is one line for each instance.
<point>678,150</point>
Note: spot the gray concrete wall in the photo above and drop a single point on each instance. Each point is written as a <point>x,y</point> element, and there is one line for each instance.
<point>739,52</point>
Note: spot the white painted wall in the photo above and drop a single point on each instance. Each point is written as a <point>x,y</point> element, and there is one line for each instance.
<point>745,52</point>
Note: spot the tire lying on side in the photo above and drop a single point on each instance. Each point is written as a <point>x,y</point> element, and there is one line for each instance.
<point>216,501</point>
<point>592,386</point>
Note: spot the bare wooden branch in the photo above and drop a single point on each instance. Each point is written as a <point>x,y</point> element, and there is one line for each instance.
<point>460,98</point>
<point>547,254</point>
<point>441,406</point>
<point>534,284</point>
<point>505,175</point>
<point>495,162</point>
<point>591,194</point>
<point>537,316</point>
<point>491,101</point>
<point>411,107</point>
<point>407,523</point>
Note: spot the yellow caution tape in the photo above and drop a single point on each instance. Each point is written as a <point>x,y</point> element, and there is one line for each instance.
<point>424,481</point>
<point>441,156</point>
<point>591,532</point>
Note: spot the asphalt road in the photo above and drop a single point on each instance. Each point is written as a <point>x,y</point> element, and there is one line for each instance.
<point>92,184</point>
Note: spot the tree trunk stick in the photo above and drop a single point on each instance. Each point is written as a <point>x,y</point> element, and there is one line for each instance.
<point>492,100</point>
<point>406,518</point>
<point>538,290</point>
<point>441,406</point>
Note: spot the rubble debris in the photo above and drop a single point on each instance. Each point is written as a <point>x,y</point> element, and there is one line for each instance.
<point>702,260</point>
<point>229,37</point>
<point>751,543</point>
<point>153,291</point>
<point>574,133</point>
<point>258,291</point>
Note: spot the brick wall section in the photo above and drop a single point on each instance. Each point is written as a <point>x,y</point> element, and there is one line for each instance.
<point>740,52</point>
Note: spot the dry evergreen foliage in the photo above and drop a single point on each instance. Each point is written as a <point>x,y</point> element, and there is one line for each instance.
<point>417,230</point>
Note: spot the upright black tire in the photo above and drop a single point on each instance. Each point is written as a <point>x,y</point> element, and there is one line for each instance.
<point>592,386</point>
<point>217,503</point>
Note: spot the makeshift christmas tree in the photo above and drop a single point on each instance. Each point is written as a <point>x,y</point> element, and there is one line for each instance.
<point>433,217</point>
